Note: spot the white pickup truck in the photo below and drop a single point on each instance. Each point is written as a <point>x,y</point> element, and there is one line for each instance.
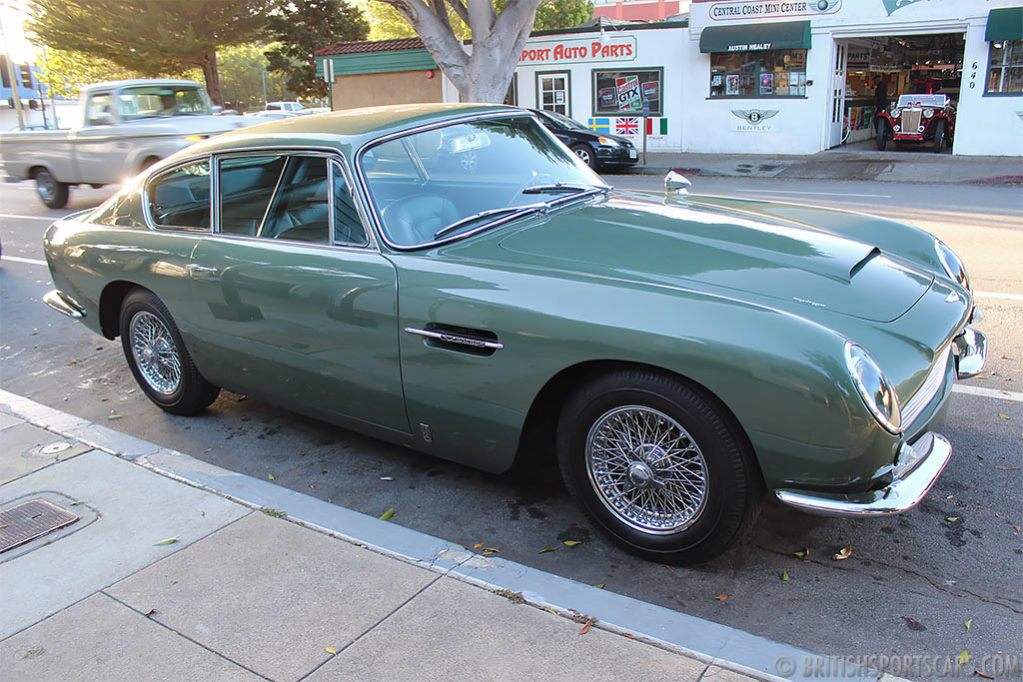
<point>123,127</point>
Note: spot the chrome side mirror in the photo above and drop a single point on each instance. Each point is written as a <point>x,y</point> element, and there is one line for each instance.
<point>676,182</point>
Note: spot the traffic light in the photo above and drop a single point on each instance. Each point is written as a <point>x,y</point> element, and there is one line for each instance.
<point>26,75</point>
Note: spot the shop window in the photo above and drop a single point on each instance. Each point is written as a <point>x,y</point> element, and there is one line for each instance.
<point>764,73</point>
<point>552,92</point>
<point>625,92</point>
<point>1005,70</point>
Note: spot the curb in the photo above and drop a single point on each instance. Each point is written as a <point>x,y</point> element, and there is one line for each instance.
<point>704,640</point>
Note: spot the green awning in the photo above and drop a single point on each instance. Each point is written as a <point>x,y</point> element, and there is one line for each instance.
<point>1004,24</point>
<point>786,35</point>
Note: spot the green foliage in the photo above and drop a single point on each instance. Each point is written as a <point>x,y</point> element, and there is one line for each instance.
<point>386,22</point>
<point>552,14</point>
<point>150,38</point>
<point>300,27</point>
<point>65,72</point>
<point>241,76</point>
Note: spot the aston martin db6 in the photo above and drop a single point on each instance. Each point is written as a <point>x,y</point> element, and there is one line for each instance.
<point>453,278</point>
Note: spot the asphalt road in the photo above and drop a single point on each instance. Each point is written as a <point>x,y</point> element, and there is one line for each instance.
<point>908,588</point>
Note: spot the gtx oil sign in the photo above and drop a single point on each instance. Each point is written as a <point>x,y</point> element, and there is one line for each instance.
<point>579,51</point>
<point>628,93</point>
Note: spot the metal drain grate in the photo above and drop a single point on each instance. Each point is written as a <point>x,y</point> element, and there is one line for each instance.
<point>31,520</point>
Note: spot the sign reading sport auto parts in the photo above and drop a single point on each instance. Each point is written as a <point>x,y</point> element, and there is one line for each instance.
<point>580,50</point>
<point>758,9</point>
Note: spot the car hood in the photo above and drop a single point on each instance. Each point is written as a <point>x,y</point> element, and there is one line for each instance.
<point>741,253</point>
<point>190,125</point>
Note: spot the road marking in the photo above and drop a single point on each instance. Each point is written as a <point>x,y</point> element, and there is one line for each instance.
<point>30,217</point>
<point>28,261</point>
<point>989,393</point>
<point>816,194</point>
<point>994,294</point>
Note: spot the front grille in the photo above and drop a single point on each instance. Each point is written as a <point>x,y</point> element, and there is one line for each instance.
<point>928,389</point>
<point>911,120</point>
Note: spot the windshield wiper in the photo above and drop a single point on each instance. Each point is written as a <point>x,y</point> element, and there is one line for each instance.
<point>565,187</point>
<point>511,212</point>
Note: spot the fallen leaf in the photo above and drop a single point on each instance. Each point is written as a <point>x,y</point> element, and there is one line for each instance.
<point>386,516</point>
<point>325,471</point>
<point>331,650</point>
<point>843,553</point>
<point>208,450</point>
<point>168,541</point>
<point>202,513</point>
<point>1008,468</point>
<point>721,597</point>
<point>271,477</point>
<point>551,611</point>
<point>301,454</point>
<point>387,478</point>
<point>1003,416</point>
<point>983,674</point>
<point>174,582</point>
<point>112,417</point>
<point>76,503</point>
<point>573,543</point>
<point>1017,528</point>
<point>150,612</point>
<point>477,545</point>
<point>785,576</point>
<point>130,391</point>
<point>312,487</point>
<point>104,400</point>
<point>804,553</point>
<point>585,629</point>
<point>548,549</point>
<point>489,551</point>
<point>963,658</point>
<point>968,624</point>
<point>951,519</point>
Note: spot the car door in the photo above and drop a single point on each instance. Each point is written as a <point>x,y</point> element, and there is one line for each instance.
<point>100,147</point>
<point>293,301</point>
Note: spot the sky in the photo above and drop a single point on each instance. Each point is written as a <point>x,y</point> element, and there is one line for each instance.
<point>14,43</point>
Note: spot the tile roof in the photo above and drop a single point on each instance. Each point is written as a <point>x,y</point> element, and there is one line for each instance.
<point>374,46</point>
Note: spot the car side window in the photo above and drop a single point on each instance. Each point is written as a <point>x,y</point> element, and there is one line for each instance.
<point>348,228</point>
<point>101,110</point>
<point>180,197</point>
<point>300,208</point>
<point>246,187</point>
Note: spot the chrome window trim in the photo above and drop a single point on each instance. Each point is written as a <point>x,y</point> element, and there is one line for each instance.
<point>364,185</point>
<point>147,213</point>
<point>919,401</point>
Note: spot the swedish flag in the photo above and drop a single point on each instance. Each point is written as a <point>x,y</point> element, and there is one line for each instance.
<point>600,125</point>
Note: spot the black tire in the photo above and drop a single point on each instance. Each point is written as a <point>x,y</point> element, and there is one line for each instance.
<point>882,134</point>
<point>729,492</point>
<point>585,152</point>
<point>51,191</point>
<point>183,392</point>
<point>939,136</point>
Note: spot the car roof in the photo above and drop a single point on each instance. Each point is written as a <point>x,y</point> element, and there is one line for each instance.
<point>137,82</point>
<point>349,128</point>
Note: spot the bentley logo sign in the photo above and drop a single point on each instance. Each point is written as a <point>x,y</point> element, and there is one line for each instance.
<point>753,120</point>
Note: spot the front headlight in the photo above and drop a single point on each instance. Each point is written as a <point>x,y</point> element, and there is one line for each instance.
<point>952,263</point>
<point>607,142</point>
<point>878,395</point>
<point>928,113</point>
<point>896,113</point>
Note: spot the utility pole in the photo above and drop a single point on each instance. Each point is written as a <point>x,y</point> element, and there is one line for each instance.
<point>13,77</point>
<point>264,89</point>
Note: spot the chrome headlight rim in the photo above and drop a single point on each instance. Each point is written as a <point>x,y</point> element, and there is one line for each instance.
<point>953,264</point>
<point>896,113</point>
<point>928,112</point>
<point>880,397</point>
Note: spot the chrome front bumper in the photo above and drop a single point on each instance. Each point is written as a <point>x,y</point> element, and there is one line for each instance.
<point>63,304</point>
<point>970,349</point>
<point>919,466</point>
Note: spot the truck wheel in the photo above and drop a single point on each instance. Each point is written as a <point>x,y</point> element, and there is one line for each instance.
<point>939,137</point>
<point>882,134</point>
<point>51,191</point>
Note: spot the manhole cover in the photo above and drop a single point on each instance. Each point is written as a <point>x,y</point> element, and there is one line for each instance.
<point>31,520</point>
<point>54,448</point>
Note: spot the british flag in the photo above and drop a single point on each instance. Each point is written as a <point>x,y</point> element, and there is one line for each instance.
<point>627,126</point>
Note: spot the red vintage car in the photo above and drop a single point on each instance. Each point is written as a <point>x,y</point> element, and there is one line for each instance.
<point>917,119</point>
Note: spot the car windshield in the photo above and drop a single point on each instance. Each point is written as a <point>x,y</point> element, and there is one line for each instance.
<point>567,122</point>
<point>162,100</point>
<point>452,181</point>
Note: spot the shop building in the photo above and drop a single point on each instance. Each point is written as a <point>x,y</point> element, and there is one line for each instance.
<point>367,74</point>
<point>800,77</point>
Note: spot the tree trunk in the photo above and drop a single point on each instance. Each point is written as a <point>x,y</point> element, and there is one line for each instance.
<point>483,73</point>
<point>212,75</point>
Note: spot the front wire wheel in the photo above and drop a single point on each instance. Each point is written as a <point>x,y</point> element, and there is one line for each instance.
<point>658,466</point>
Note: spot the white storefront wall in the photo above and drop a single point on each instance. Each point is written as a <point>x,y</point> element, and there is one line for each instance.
<point>581,54</point>
<point>985,125</point>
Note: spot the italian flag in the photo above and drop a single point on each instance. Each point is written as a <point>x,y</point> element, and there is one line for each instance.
<point>657,126</point>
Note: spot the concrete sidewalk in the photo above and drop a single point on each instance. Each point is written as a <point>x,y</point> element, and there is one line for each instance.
<point>176,569</point>
<point>853,163</point>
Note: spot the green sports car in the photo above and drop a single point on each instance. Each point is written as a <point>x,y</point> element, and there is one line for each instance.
<point>454,279</point>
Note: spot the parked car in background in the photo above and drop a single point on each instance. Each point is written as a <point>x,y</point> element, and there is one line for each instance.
<point>123,127</point>
<point>916,119</point>
<point>452,278</point>
<point>293,107</point>
<point>271,115</point>
<point>597,150</point>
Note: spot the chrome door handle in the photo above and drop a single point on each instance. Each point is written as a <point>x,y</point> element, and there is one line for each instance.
<point>196,271</point>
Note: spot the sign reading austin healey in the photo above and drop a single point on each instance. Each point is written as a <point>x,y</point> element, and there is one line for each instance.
<point>579,50</point>
<point>758,9</point>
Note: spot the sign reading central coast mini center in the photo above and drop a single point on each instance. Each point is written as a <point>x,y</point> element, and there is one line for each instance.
<point>580,50</point>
